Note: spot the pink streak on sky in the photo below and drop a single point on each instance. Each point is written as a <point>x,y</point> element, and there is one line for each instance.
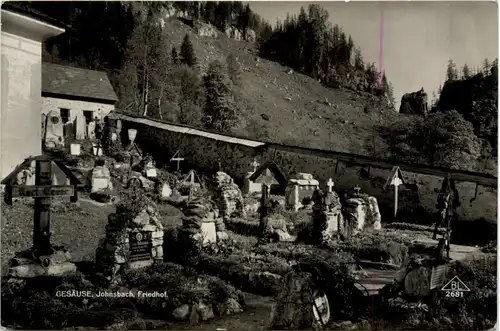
<point>381,47</point>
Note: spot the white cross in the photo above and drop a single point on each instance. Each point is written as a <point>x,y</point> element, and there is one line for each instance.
<point>330,184</point>
<point>255,164</point>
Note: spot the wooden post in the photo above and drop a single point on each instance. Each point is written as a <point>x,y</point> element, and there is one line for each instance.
<point>264,203</point>
<point>395,200</point>
<point>41,230</point>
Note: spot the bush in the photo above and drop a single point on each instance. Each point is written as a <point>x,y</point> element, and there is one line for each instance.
<point>376,248</point>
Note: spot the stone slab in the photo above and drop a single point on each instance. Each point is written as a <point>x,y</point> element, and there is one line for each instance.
<point>140,264</point>
<point>209,233</point>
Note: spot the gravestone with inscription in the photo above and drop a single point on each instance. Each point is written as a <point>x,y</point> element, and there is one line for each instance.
<point>134,237</point>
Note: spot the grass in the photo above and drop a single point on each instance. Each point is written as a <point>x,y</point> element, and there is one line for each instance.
<point>297,105</point>
<point>78,227</point>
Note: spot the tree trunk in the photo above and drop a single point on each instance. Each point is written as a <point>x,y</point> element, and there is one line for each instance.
<point>146,94</point>
<point>145,76</point>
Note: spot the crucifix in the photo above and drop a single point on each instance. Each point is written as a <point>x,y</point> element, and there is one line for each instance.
<point>255,164</point>
<point>330,185</point>
<point>177,158</point>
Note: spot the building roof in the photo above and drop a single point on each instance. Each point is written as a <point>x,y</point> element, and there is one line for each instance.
<point>186,129</point>
<point>24,8</point>
<point>76,82</point>
<point>273,167</point>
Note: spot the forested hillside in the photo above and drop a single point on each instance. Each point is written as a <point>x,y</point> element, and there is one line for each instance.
<point>218,65</point>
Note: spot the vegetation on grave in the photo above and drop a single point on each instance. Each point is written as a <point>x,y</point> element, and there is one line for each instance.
<point>35,304</point>
<point>475,310</point>
<point>376,247</point>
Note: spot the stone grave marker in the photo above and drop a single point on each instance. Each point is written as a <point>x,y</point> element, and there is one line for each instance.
<point>91,130</point>
<point>80,126</point>
<point>303,186</point>
<point>54,131</point>
<point>209,233</point>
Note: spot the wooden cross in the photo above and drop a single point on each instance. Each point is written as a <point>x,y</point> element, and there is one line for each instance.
<point>330,185</point>
<point>357,189</point>
<point>42,192</point>
<point>255,164</point>
<point>178,159</point>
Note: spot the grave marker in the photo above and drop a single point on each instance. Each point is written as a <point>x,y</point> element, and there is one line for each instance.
<point>177,158</point>
<point>255,164</point>
<point>140,246</point>
<point>395,179</point>
<point>330,185</point>
<point>42,192</point>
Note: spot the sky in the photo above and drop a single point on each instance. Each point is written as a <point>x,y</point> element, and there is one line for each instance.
<point>419,37</point>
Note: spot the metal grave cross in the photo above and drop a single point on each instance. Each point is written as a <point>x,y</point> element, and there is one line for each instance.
<point>255,164</point>
<point>330,185</point>
<point>42,192</point>
<point>177,158</point>
<point>395,179</point>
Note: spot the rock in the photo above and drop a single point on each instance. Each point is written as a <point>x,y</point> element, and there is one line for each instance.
<point>227,196</point>
<point>181,313</point>
<point>283,235</point>
<point>375,213</point>
<point>205,312</point>
<point>232,307</point>
<point>221,236</point>
<point>36,270</point>
<point>136,324</point>
<point>141,219</point>
<point>414,103</point>
<point>205,30</point>
<point>417,282</point>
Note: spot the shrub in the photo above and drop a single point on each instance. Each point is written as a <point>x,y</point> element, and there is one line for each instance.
<point>376,248</point>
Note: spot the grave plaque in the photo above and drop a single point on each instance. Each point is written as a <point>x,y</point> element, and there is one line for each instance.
<point>140,246</point>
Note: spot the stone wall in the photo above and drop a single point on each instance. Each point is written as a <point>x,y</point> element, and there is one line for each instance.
<point>206,153</point>
<point>75,107</point>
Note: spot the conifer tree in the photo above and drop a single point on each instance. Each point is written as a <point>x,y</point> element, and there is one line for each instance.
<point>220,109</point>
<point>466,72</point>
<point>187,55</point>
<point>234,70</point>
<point>175,57</point>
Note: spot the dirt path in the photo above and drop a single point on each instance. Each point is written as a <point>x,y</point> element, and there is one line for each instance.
<point>255,317</point>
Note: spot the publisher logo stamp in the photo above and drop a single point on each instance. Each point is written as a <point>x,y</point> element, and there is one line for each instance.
<point>455,288</point>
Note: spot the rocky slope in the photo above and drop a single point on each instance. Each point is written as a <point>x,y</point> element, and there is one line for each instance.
<point>277,104</point>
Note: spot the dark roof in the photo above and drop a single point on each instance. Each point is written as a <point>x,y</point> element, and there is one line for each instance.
<point>24,8</point>
<point>273,167</point>
<point>76,82</point>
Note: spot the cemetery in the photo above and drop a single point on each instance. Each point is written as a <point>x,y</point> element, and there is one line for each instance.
<point>103,218</point>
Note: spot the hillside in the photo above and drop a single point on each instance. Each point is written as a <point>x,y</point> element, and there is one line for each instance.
<point>300,110</point>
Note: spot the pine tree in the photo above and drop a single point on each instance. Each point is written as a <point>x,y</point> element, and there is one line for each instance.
<point>466,72</point>
<point>359,64</point>
<point>174,56</point>
<point>451,71</point>
<point>220,109</point>
<point>486,67</point>
<point>187,55</point>
<point>234,70</point>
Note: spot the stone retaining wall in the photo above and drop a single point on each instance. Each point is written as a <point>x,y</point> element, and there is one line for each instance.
<point>205,154</point>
